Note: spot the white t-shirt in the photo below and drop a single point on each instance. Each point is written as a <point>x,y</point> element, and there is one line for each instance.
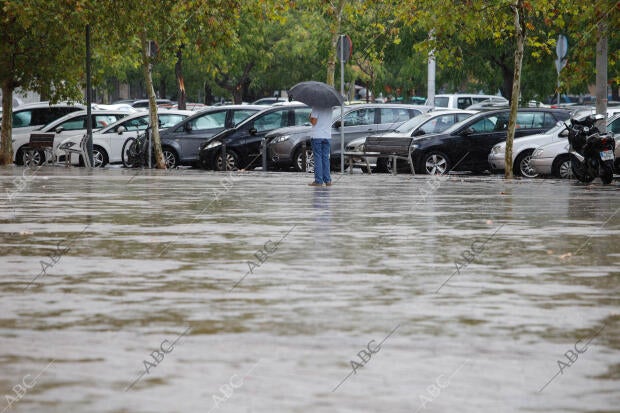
<point>323,127</point>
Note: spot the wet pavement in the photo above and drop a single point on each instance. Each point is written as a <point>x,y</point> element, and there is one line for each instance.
<point>188,291</point>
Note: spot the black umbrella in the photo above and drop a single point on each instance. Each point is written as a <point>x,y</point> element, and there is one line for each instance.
<point>316,94</point>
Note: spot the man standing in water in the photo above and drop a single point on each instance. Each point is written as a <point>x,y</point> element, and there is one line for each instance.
<point>321,120</point>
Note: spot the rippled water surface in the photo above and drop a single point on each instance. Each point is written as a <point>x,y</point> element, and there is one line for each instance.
<point>192,291</point>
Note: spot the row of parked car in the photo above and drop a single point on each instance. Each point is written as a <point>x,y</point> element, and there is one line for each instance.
<point>235,136</point>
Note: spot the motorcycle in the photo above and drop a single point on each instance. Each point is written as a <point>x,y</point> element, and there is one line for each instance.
<point>591,152</point>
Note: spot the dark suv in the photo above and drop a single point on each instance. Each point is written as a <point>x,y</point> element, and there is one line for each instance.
<point>466,145</point>
<point>243,143</point>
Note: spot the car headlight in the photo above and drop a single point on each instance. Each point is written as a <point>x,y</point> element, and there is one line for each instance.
<point>415,146</point>
<point>66,145</point>
<point>213,144</point>
<point>281,139</point>
<point>497,149</point>
<point>538,153</point>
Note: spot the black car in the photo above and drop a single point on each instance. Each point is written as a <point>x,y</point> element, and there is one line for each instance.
<point>243,143</point>
<point>184,138</point>
<point>466,145</point>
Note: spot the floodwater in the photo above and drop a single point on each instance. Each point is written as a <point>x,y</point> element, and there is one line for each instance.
<point>193,291</point>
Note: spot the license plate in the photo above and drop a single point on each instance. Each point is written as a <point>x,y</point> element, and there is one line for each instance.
<point>607,155</point>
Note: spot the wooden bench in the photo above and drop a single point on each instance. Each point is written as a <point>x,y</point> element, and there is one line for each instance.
<point>393,148</point>
<point>42,142</point>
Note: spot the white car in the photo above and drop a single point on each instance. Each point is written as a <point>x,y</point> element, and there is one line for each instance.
<point>108,142</point>
<point>424,124</point>
<point>71,124</point>
<point>553,159</point>
<point>463,100</point>
<point>522,150</point>
<point>31,116</point>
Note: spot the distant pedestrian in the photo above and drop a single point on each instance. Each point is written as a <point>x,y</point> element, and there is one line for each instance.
<point>321,120</point>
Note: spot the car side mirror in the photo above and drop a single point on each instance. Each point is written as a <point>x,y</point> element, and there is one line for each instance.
<point>187,127</point>
<point>252,131</point>
<point>468,131</point>
<point>59,129</point>
<point>337,124</point>
<point>564,133</point>
<point>419,132</point>
<point>121,129</point>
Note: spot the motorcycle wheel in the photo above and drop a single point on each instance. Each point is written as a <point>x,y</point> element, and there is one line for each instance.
<point>607,174</point>
<point>579,171</point>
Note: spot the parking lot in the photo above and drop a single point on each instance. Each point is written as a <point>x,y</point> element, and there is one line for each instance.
<point>187,290</point>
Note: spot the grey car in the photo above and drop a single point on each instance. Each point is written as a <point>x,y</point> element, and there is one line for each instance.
<point>183,140</point>
<point>286,145</point>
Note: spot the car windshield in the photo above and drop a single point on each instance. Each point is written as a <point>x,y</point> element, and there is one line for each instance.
<point>413,123</point>
<point>559,127</point>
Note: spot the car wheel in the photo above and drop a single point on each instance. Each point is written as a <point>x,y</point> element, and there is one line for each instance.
<point>100,157</point>
<point>33,158</point>
<point>170,157</point>
<point>435,163</point>
<point>562,167</point>
<point>298,162</point>
<point>523,167</point>
<point>231,162</point>
<point>19,157</point>
<point>384,165</point>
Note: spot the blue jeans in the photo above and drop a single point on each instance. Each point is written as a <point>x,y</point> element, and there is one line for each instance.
<point>320,151</point>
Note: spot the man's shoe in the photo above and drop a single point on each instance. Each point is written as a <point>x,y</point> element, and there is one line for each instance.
<point>328,183</point>
<point>315,184</point>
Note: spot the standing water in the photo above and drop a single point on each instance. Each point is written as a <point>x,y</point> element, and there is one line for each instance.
<point>193,291</point>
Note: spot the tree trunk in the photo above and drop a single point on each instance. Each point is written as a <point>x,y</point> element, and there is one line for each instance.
<point>6,145</point>
<point>335,32</point>
<point>160,163</point>
<point>507,81</point>
<point>178,70</point>
<point>208,94</point>
<point>601,69</point>
<point>516,84</point>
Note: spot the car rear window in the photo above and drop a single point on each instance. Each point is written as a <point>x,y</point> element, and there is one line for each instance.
<point>463,102</point>
<point>394,115</point>
<point>442,102</point>
<point>535,120</point>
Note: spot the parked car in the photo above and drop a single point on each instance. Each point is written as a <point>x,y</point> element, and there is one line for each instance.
<point>466,145</point>
<point>31,116</point>
<point>553,158</point>
<point>144,103</point>
<point>423,124</point>
<point>243,143</point>
<point>522,150</point>
<point>71,124</point>
<point>268,101</point>
<point>184,139</point>
<point>108,142</point>
<point>464,101</point>
<point>286,145</point>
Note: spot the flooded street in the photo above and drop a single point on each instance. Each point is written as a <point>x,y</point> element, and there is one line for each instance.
<point>194,291</point>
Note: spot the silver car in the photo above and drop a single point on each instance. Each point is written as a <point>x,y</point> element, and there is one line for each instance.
<point>286,145</point>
